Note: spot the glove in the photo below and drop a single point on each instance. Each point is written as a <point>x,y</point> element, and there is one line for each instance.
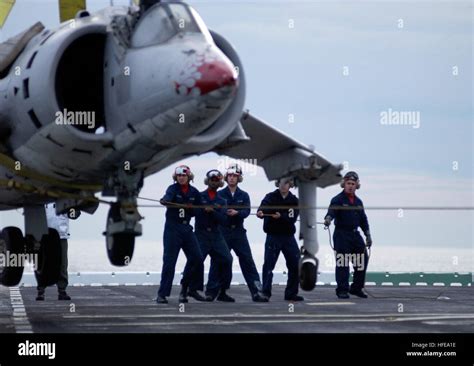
<point>327,220</point>
<point>368,241</point>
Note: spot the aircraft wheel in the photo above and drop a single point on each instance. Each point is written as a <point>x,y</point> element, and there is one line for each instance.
<point>120,246</point>
<point>49,259</point>
<point>11,242</point>
<point>308,275</point>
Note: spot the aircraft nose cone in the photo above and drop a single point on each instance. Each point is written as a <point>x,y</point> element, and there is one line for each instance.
<point>215,75</point>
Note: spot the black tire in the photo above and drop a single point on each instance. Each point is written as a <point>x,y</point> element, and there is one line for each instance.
<point>13,242</point>
<point>119,246</point>
<point>308,276</point>
<point>49,259</point>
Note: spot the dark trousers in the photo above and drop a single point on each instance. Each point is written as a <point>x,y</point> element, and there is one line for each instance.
<point>213,243</point>
<point>286,244</point>
<point>350,246</point>
<point>176,237</point>
<point>63,275</point>
<point>237,241</point>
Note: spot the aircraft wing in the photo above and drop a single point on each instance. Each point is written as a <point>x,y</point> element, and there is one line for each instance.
<point>67,9</point>
<point>5,8</point>
<point>279,154</point>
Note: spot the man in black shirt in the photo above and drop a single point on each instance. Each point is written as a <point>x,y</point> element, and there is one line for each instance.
<point>348,213</point>
<point>279,224</point>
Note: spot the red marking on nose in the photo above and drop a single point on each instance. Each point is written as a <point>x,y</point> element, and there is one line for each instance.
<point>215,75</point>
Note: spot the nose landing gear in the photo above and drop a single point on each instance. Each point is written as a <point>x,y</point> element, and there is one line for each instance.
<point>308,261</point>
<point>122,228</point>
<point>123,218</point>
<point>308,271</point>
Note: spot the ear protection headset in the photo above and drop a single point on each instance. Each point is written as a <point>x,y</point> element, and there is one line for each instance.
<point>353,176</point>
<point>214,173</point>
<point>235,170</point>
<point>183,169</point>
<point>289,180</point>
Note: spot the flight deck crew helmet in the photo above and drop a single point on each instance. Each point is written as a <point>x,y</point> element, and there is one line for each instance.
<point>183,169</point>
<point>214,176</point>
<point>351,176</point>
<point>285,180</point>
<point>234,169</point>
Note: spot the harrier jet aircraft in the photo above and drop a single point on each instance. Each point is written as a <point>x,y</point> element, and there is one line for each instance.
<point>111,97</point>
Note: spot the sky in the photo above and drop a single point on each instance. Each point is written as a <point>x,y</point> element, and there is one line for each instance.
<point>337,67</point>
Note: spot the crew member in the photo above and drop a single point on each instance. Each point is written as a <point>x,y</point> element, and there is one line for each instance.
<point>279,224</point>
<point>211,241</point>
<point>235,234</point>
<point>180,199</point>
<point>348,213</point>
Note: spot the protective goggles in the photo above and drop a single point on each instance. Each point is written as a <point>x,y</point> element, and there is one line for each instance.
<point>234,171</point>
<point>214,175</point>
<point>182,170</point>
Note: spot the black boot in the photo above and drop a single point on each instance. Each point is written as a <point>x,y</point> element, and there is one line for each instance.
<point>342,295</point>
<point>40,296</point>
<point>62,295</point>
<point>259,297</point>
<point>210,297</point>
<point>224,297</point>
<point>161,300</point>
<point>294,298</point>
<point>183,295</point>
<point>196,295</point>
<point>358,293</point>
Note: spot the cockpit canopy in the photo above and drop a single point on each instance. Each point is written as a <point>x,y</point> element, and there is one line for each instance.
<point>164,21</point>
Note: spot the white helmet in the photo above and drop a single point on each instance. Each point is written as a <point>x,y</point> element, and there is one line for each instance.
<point>234,169</point>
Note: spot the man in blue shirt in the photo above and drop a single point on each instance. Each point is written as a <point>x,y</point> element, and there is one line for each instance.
<point>347,211</point>
<point>279,224</point>
<point>211,241</point>
<point>180,199</point>
<point>235,234</point>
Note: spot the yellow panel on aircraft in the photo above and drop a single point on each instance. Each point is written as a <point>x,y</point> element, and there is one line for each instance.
<point>69,8</point>
<point>5,7</point>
